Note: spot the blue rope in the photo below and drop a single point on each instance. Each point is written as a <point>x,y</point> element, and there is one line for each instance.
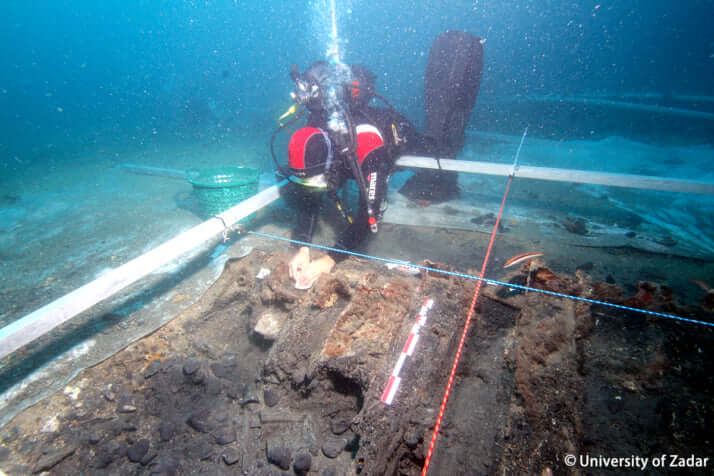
<point>485,280</point>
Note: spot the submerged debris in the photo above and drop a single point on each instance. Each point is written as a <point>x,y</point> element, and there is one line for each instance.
<point>667,241</point>
<point>488,219</point>
<point>577,226</point>
<point>654,297</point>
<point>708,302</point>
<point>540,377</point>
<point>268,326</point>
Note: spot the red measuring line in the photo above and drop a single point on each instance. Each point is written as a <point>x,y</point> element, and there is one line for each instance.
<point>435,435</point>
<point>393,384</point>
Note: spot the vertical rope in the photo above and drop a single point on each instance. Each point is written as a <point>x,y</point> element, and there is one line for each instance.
<point>449,384</point>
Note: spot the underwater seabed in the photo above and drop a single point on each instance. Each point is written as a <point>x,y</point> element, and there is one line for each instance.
<point>577,215</point>
<point>68,221</point>
<point>258,376</point>
<point>622,237</point>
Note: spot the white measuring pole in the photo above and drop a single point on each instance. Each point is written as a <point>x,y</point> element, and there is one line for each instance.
<point>28,328</point>
<point>561,175</point>
<point>615,104</point>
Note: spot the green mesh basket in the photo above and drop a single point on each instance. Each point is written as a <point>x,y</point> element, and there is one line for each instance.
<point>220,188</point>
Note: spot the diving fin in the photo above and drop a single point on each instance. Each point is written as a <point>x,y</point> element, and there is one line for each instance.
<point>451,84</point>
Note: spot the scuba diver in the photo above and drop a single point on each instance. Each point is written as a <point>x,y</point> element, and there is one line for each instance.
<point>344,138</point>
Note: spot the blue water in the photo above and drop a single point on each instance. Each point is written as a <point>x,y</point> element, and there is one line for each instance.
<point>86,86</point>
<point>128,74</point>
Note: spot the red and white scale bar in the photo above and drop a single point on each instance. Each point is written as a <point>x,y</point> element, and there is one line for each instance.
<point>393,384</point>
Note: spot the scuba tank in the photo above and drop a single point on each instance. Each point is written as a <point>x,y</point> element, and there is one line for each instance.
<point>327,103</point>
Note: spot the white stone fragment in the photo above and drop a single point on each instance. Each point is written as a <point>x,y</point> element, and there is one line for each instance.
<point>268,326</point>
<point>72,392</point>
<point>51,425</point>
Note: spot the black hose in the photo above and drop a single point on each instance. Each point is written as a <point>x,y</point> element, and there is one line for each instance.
<point>379,96</point>
<point>272,141</point>
<point>353,162</point>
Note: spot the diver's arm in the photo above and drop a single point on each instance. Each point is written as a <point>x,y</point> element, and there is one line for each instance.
<point>376,168</point>
<point>352,235</point>
<point>306,221</point>
<point>307,207</point>
<point>408,140</point>
<point>401,134</point>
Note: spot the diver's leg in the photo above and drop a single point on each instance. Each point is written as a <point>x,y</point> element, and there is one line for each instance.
<point>451,83</point>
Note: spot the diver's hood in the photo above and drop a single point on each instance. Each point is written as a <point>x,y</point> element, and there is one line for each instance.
<point>310,85</point>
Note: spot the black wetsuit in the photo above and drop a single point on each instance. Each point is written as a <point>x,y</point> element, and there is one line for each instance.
<point>399,136</point>
<point>452,81</point>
